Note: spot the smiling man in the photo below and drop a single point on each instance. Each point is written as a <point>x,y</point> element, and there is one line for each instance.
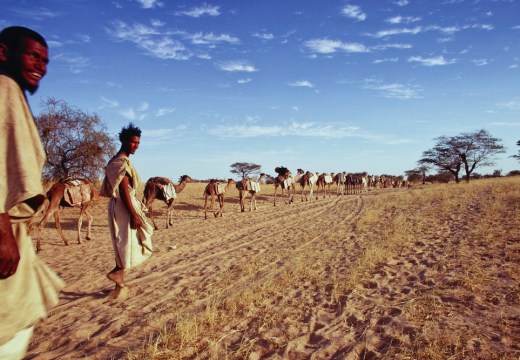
<point>28,288</point>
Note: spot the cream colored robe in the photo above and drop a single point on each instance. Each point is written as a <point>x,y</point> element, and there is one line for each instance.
<point>131,246</point>
<point>27,296</point>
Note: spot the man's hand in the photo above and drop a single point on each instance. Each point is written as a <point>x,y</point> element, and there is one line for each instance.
<point>135,221</point>
<point>9,254</point>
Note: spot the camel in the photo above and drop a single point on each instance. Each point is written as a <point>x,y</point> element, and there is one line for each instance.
<point>324,181</point>
<point>160,188</point>
<point>216,189</point>
<point>308,179</point>
<point>339,180</point>
<point>284,180</point>
<point>68,193</point>
<point>251,186</point>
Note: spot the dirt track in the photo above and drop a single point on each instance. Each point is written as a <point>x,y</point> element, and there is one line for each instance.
<point>284,266</point>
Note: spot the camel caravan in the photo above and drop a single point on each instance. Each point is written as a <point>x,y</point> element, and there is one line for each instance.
<point>80,193</point>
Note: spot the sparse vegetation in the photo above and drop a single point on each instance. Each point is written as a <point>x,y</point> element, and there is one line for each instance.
<point>430,272</point>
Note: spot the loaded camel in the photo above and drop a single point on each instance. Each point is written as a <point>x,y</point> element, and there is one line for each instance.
<point>324,181</point>
<point>284,180</point>
<point>307,180</point>
<point>216,189</point>
<point>164,189</point>
<point>251,186</point>
<point>68,193</point>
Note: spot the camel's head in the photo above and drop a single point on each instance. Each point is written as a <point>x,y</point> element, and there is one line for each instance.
<point>185,178</point>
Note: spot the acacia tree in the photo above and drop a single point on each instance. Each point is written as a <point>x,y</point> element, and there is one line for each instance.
<point>443,157</point>
<point>468,150</point>
<point>245,169</point>
<point>76,144</point>
<point>477,149</point>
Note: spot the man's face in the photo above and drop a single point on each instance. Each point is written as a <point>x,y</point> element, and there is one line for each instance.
<point>28,64</point>
<point>132,144</point>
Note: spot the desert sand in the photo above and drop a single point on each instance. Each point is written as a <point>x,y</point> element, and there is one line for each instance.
<point>431,272</point>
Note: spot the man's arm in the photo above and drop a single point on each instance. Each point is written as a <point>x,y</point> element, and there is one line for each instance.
<point>135,220</point>
<point>9,253</point>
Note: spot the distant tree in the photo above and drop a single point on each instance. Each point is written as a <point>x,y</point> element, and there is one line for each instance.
<point>417,174</point>
<point>269,179</point>
<point>245,169</point>
<point>517,156</point>
<point>477,149</point>
<point>468,150</point>
<point>497,173</point>
<point>513,173</point>
<point>443,157</point>
<point>76,143</point>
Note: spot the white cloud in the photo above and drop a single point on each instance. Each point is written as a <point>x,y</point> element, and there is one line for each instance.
<point>433,61</point>
<point>164,111</point>
<point>403,19</point>
<point>480,62</point>
<point>394,90</point>
<point>301,83</point>
<point>150,4</point>
<point>108,103</point>
<point>401,2</point>
<point>383,33</point>
<point>199,11</point>
<point>210,38</point>
<point>150,40</point>
<point>354,11</point>
<point>144,106</point>
<point>326,46</point>
<point>75,63</point>
<point>244,81</point>
<point>293,128</point>
<point>236,66</point>
<point>379,61</point>
<point>128,113</point>
<point>264,36</point>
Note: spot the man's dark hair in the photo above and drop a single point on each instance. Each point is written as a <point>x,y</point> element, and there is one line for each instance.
<point>129,131</point>
<point>12,36</point>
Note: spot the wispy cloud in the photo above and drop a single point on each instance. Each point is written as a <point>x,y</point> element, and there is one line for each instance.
<point>150,4</point>
<point>327,46</point>
<point>401,2</point>
<point>108,103</point>
<point>513,104</point>
<point>293,128</point>
<point>480,62</point>
<point>199,11</point>
<point>36,13</point>
<point>244,81</point>
<point>150,40</point>
<point>75,63</point>
<point>403,19</point>
<point>210,38</point>
<point>354,12</point>
<point>389,32</point>
<point>263,36</point>
<point>301,83</point>
<point>236,66</point>
<point>432,61</point>
<point>164,111</point>
<point>379,61</point>
<point>394,90</point>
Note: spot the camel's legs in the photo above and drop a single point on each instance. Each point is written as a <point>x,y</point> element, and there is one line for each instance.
<point>206,206</point>
<point>51,210</point>
<point>169,214</point>
<point>57,223</point>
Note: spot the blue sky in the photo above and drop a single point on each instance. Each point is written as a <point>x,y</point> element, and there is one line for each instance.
<point>324,85</point>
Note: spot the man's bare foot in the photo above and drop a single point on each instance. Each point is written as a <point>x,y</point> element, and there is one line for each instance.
<point>119,293</point>
<point>117,276</point>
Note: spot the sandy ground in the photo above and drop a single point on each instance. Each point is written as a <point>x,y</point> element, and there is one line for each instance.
<point>198,259</point>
